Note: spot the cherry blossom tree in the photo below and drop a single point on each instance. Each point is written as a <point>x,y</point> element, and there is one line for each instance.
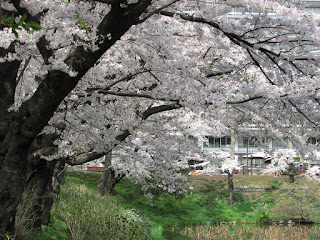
<point>22,126</point>
<point>101,71</point>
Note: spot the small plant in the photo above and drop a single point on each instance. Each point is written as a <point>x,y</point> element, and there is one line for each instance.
<point>263,213</point>
<point>81,21</point>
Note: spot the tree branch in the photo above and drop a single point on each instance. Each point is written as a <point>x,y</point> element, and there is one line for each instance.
<point>303,114</point>
<point>37,111</point>
<point>87,157</point>
<point>157,10</point>
<point>259,66</point>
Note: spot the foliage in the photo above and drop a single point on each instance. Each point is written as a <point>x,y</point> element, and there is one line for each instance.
<point>81,22</point>
<point>21,24</point>
<point>207,203</point>
<point>89,216</point>
<point>259,180</point>
<point>263,213</point>
<point>90,179</point>
<point>297,202</point>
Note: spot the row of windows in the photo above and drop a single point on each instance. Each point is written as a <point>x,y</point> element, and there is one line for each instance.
<point>251,143</point>
<point>242,142</point>
<point>242,10</point>
<point>218,142</point>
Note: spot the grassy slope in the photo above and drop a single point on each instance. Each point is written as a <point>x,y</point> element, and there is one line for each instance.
<point>206,204</point>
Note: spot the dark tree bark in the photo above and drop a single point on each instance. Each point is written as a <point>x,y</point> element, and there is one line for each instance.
<point>291,172</point>
<point>106,174</point>
<point>35,113</point>
<point>39,194</point>
<point>230,188</point>
<point>43,183</point>
<point>113,181</point>
<point>108,178</point>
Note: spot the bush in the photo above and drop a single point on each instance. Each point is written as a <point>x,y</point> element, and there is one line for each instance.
<point>90,216</point>
<point>263,213</point>
<point>296,203</point>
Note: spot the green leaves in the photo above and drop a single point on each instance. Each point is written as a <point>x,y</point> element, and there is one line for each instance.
<point>23,18</point>
<point>18,25</point>
<point>7,20</point>
<point>81,22</point>
<point>35,26</point>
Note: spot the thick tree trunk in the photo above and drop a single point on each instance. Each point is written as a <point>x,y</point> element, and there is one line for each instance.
<point>13,176</point>
<point>35,113</point>
<point>113,181</point>
<point>37,199</point>
<point>108,178</point>
<point>230,189</point>
<point>106,173</point>
<point>42,186</point>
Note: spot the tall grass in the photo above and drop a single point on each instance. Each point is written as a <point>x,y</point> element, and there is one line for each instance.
<point>248,232</point>
<point>90,216</point>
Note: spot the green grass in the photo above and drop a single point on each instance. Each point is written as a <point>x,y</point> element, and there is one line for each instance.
<point>89,179</point>
<point>57,231</point>
<point>207,205</point>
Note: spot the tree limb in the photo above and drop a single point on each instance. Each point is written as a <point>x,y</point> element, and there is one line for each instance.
<point>87,157</point>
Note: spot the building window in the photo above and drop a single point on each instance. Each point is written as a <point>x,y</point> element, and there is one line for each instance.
<point>218,142</point>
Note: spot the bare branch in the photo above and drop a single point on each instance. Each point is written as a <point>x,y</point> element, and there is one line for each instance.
<point>214,74</point>
<point>303,114</point>
<point>157,10</point>
<point>244,101</point>
<point>259,66</point>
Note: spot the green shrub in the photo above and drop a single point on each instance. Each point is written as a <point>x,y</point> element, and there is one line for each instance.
<point>296,202</point>
<point>263,214</point>
<point>90,216</point>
